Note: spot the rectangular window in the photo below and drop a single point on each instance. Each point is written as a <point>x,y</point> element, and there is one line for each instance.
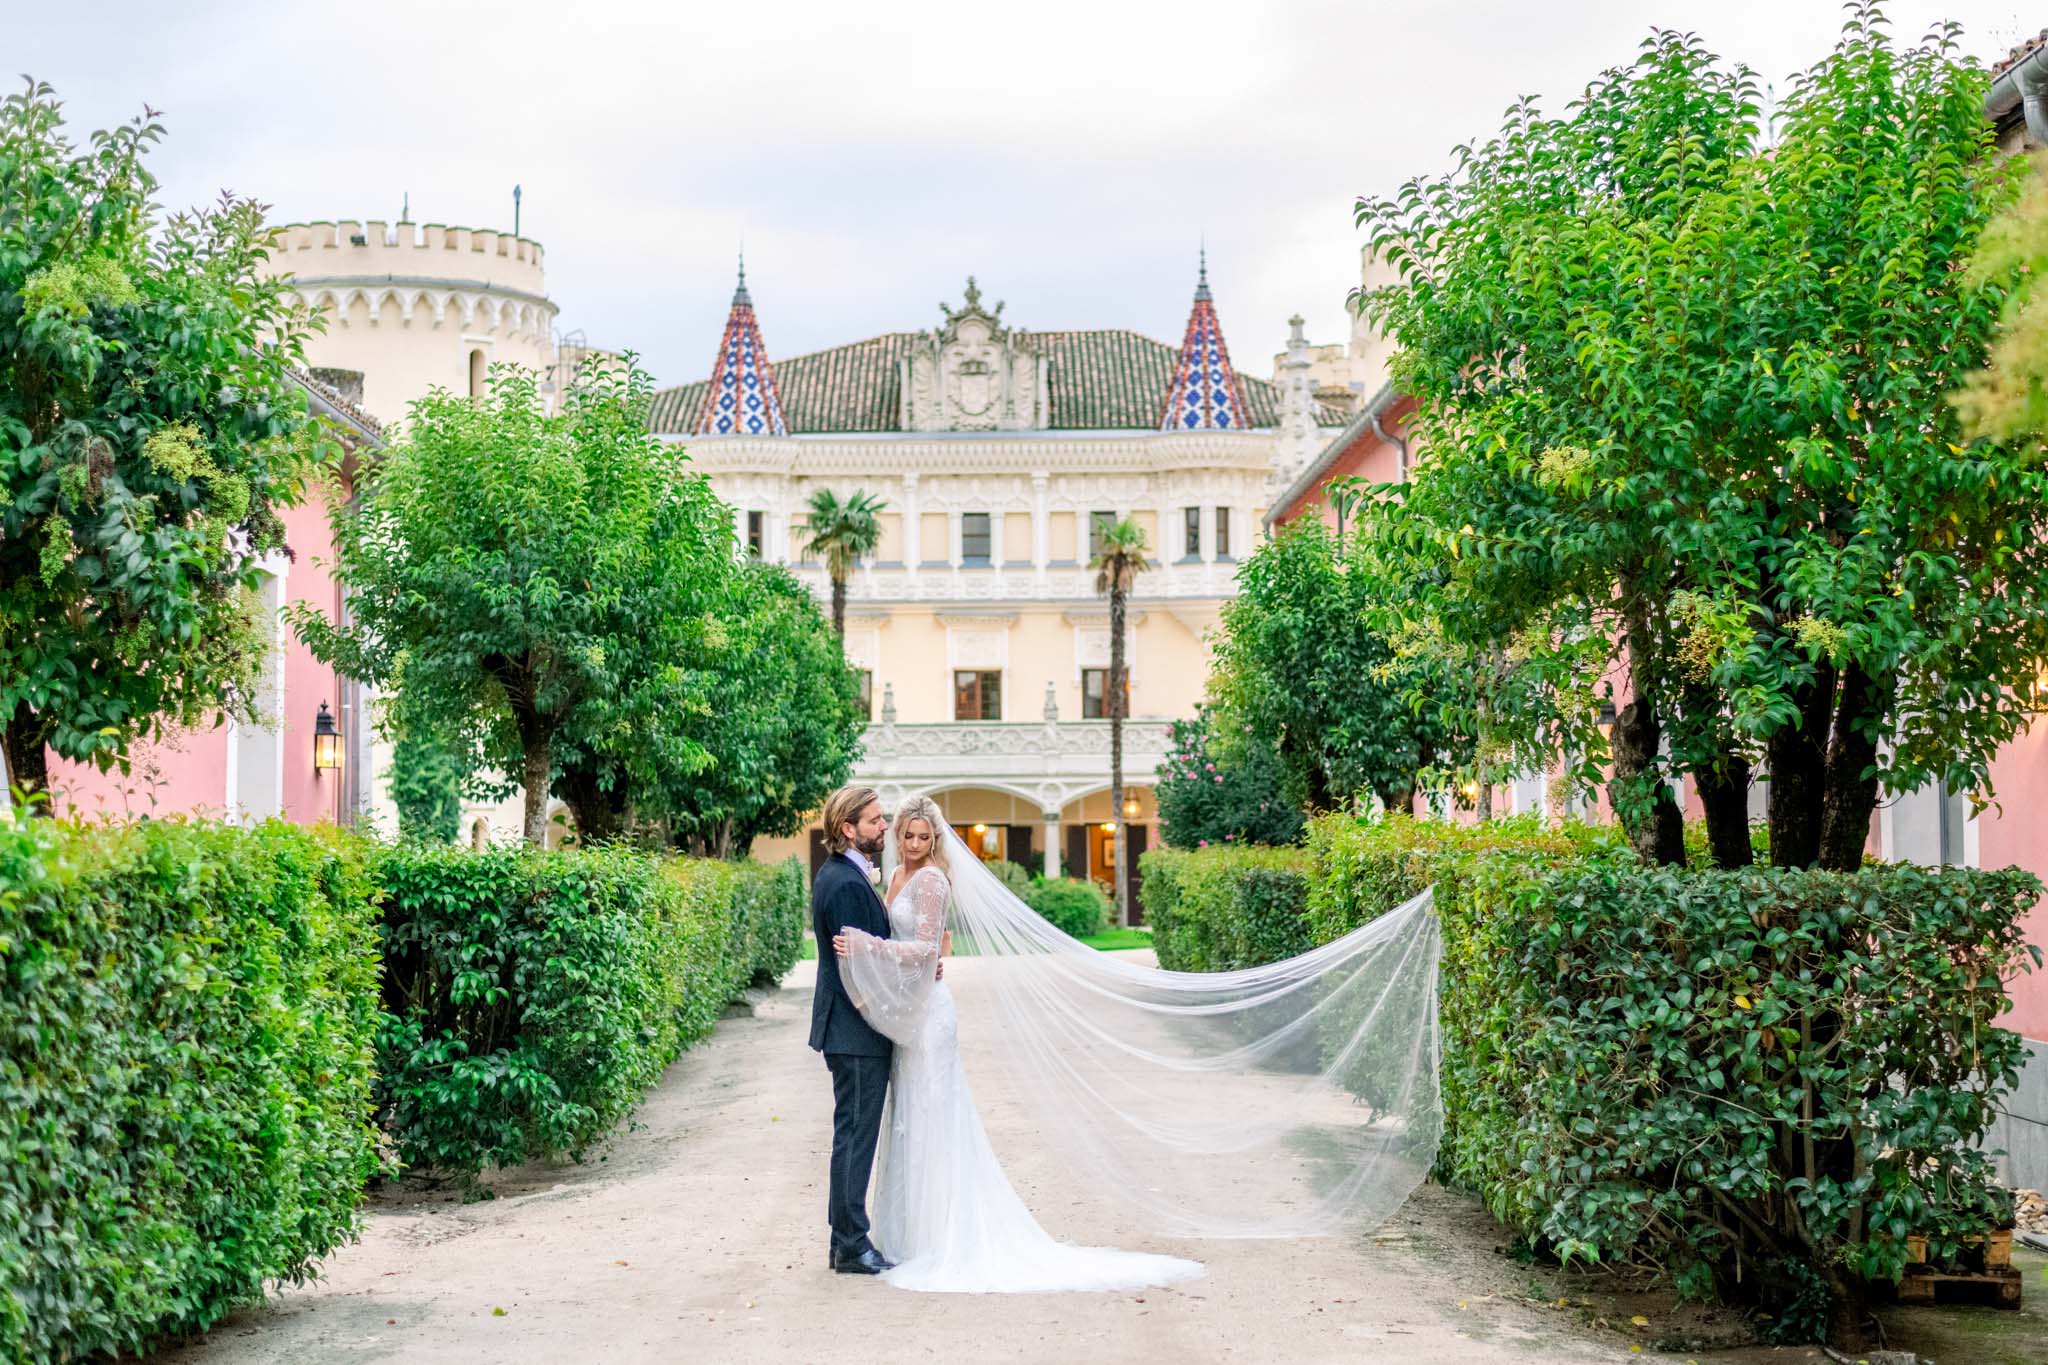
<point>1098,522</point>
<point>757,533</point>
<point>1194,549</point>
<point>1095,693</point>
<point>974,539</point>
<point>977,694</point>
<point>867,693</point>
<point>1223,533</point>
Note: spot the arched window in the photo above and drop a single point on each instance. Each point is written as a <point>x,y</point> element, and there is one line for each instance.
<point>476,373</point>
<point>480,834</point>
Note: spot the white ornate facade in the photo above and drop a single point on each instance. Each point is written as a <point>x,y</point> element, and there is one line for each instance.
<point>993,449</point>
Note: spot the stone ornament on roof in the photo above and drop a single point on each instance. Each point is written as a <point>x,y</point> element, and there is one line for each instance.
<point>975,374</point>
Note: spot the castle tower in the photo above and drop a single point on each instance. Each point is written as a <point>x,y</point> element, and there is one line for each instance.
<point>1204,394</point>
<point>413,307</point>
<point>741,399</point>
<point>1299,437</point>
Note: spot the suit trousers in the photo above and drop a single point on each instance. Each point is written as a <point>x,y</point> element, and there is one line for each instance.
<point>859,1085</point>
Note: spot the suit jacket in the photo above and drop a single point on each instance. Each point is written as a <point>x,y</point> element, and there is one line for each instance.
<point>842,899</point>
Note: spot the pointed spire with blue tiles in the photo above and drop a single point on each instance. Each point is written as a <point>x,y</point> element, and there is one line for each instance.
<point>741,399</point>
<point>1204,395</point>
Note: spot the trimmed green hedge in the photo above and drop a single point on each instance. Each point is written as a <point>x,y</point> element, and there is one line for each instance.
<point>1076,908</point>
<point>1220,909</point>
<point>189,1013</point>
<point>1764,1079</point>
<point>533,997</point>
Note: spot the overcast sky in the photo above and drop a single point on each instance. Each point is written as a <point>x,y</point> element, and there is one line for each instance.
<point>872,155</point>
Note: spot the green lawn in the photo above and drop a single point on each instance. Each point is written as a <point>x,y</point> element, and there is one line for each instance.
<point>1113,940</point>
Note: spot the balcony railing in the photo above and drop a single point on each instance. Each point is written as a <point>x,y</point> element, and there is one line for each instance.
<point>1052,760</point>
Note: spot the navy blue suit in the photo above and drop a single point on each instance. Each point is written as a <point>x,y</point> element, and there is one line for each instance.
<point>857,1055</point>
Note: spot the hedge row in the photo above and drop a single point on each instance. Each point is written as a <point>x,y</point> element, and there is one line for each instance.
<point>1765,1079</point>
<point>531,998</point>
<point>189,1014</point>
<point>194,1048</point>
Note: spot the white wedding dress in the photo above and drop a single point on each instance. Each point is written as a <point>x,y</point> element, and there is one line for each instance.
<point>944,1211</point>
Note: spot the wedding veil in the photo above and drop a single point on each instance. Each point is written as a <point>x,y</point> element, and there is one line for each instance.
<point>1291,1099</point>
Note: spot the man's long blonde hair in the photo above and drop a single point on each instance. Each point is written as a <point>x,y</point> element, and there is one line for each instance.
<point>843,808</point>
<point>925,809</point>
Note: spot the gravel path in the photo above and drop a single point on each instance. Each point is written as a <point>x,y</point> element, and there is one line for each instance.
<point>701,1237</point>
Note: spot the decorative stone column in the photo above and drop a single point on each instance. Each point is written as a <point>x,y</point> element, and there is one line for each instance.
<point>913,527</point>
<point>1052,843</point>
<point>1041,521</point>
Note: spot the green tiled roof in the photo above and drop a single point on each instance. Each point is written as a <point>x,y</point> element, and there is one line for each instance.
<point>1100,381</point>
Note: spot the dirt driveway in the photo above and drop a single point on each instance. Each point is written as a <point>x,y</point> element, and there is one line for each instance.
<point>700,1236</point>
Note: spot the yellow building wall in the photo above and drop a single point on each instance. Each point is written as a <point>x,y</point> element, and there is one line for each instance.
<point>937,537</point>
<point>1061,528</point>
<point>1017,539</point>
<point>890,551</point>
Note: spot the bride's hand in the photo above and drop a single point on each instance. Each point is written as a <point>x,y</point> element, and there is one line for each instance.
<point>839,943</point>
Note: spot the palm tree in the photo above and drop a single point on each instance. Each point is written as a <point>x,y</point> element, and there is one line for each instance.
<point>840,533</point>
<point>1119,559</point>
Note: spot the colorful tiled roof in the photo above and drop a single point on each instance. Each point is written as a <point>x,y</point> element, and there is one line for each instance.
<point>1205,395</point>
<point>1106,380</point>
<point>743,400</point>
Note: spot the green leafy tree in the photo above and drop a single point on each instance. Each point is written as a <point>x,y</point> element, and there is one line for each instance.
<point>1301,661</point>
<point>1121,554</point>
<point>1684,398</point>
<point>426,786</point>
<point>774,711</point>
<point>519,571</point>
<point>1222,783</point>
<point>842,532</point>
<point>149,431</point>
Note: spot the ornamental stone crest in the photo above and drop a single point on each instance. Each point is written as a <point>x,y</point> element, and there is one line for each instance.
<point>975,374</point>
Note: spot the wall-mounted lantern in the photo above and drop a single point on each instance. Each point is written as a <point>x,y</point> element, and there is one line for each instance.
<point>326,742</point>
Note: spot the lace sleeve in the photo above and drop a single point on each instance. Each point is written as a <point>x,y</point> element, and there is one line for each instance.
<point>888,978</point>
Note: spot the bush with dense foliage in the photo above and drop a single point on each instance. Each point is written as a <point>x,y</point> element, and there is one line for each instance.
<point>1075,907</point>
<point>1217,787</point>
<point>534,996</point>
<point>189,1013</point>
<point>1219,909</point>
<point>1763,1080</point>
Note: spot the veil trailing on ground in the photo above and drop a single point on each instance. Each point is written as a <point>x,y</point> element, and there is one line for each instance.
<point>1292,1099</point>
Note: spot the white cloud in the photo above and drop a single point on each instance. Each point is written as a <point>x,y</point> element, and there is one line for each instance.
<point>1069,154</point>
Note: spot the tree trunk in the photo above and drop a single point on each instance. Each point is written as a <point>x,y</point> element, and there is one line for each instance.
<point>1852,770</point>
<point>1484,800</point>
<point>1641,798</point>
<point>539,770</point>
<point>1116,754</point>
<point>1797,758</point>
<point>600,814</point>
<point>28,761</point>
<point>839,609</point>
<point>1724,792</point>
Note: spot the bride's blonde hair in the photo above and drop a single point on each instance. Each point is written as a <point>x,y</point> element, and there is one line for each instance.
<point>925,809</point>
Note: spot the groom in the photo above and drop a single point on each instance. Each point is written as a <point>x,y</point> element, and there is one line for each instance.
<point>845,895</point>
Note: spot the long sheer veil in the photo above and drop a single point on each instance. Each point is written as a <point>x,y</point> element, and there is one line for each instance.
<point>1293,1099</point>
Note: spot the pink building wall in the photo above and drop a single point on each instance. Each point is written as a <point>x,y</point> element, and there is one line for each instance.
<point>2015,834</point>
<point>187,772</point>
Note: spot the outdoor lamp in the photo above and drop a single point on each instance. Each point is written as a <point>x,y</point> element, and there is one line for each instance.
<point>326,742</point>
<point>1131,809</point>
<point>1109,827</point>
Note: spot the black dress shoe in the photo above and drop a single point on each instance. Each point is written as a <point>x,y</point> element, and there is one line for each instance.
<point>868,1262</point>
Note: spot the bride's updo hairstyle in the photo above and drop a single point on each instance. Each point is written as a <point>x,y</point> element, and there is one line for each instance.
<point>925,809</point>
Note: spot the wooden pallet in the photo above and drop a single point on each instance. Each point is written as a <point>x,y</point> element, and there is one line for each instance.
<point>1998,1286</point>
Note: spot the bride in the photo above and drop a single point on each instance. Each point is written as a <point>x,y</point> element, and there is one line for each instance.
<point>943,1207</point>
